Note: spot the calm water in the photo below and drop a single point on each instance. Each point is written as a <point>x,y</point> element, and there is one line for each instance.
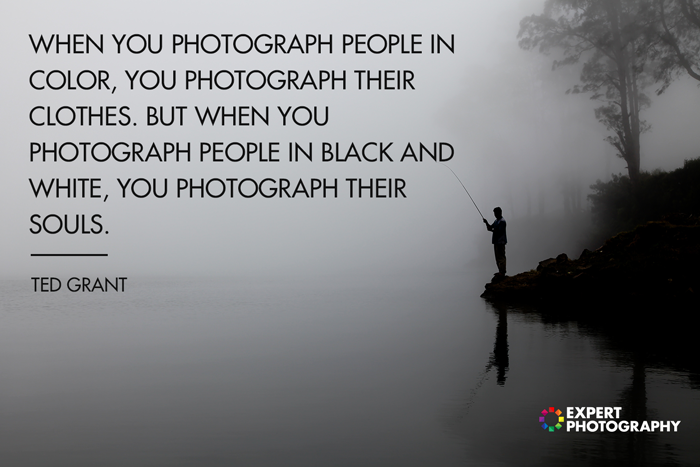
<point>410,371</point>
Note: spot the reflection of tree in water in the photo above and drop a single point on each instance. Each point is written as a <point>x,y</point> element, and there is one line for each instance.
<point>633,401</point>
<point>633,449</point>
<point>630,448</point>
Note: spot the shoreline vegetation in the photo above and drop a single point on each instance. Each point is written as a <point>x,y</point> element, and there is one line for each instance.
<point>655,259</point>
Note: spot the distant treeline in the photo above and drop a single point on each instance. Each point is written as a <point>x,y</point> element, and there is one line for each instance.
<point>620,205</point>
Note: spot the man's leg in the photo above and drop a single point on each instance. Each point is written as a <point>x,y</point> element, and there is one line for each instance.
<point>500,251</point>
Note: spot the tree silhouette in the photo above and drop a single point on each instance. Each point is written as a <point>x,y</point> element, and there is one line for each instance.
<point>680,34</point>
<point>614,39</point>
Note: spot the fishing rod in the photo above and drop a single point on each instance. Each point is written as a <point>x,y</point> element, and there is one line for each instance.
<point>480,382</point>
<point>465,189</point>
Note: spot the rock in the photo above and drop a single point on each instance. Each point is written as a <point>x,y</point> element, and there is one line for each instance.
<point>546,263</point>
<point>498,278</point>
<point>585,254</point>
<point>656,262</point>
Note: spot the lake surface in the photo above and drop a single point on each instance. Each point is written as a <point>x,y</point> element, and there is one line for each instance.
<point>408,371</point>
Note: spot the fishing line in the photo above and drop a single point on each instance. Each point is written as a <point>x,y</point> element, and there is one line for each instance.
<point>465,189</point>
<point>472,395</point>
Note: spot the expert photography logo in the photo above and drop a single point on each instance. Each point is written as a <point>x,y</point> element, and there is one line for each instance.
<point>600,419</point>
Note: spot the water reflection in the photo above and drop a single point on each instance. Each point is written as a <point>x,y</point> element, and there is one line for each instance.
<point>324,374</point>
<point>499,356</point>
<point>630,448</point>
<point>649,388</point>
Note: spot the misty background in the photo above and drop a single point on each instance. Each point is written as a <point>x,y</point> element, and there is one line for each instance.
<point>520,143</point>
<point>322,331</point>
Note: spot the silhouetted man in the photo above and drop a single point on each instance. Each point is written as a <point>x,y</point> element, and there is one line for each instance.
<point>499,240</point>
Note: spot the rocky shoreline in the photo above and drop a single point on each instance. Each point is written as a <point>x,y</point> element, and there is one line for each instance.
<point>656,263</point>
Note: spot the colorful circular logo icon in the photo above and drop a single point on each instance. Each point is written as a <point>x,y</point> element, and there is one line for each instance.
<point>554,417</point>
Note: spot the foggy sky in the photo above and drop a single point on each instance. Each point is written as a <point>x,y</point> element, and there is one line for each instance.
<point>516,134</point>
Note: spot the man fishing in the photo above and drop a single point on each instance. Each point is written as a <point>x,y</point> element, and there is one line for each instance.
<point>499,240</point>
<point>499,232</point>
